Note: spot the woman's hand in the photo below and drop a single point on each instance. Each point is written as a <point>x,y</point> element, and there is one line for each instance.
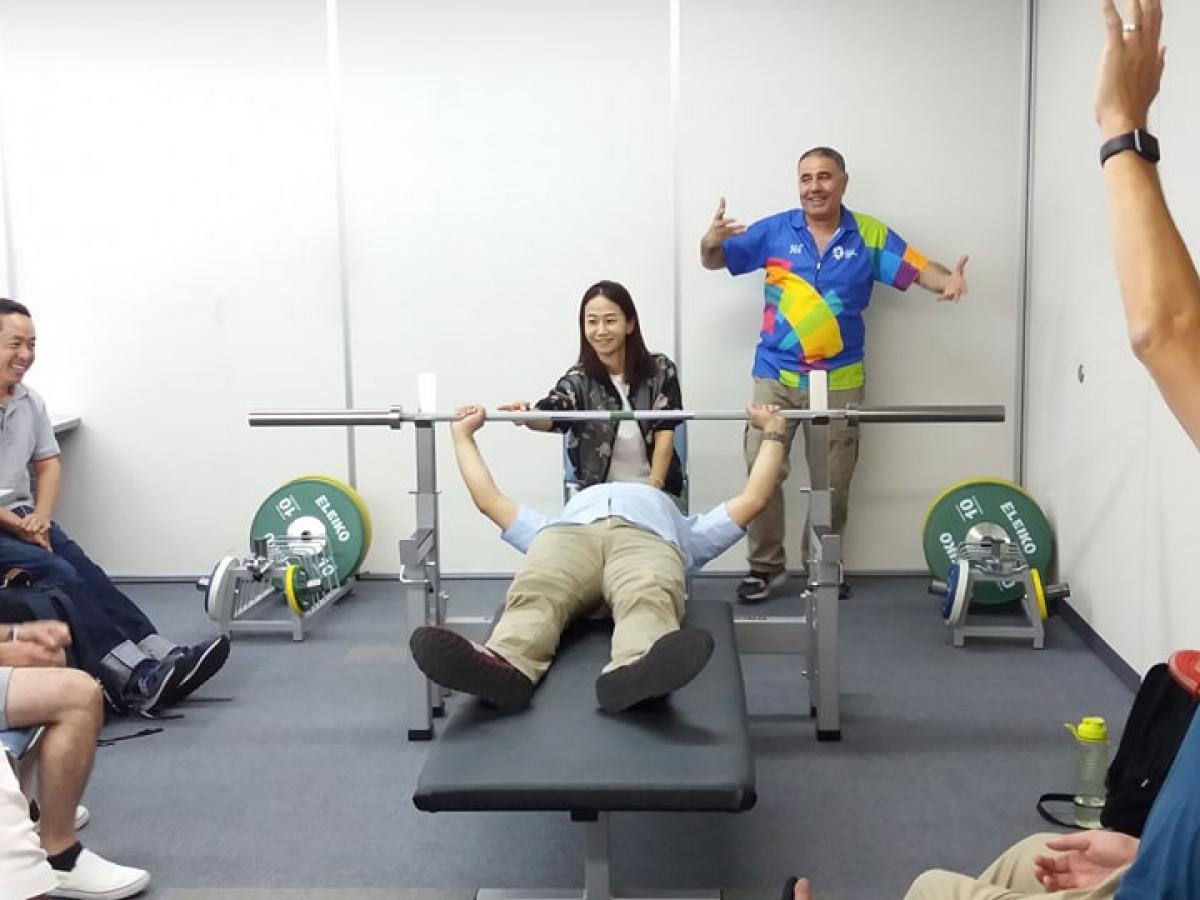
<point>517,406</point>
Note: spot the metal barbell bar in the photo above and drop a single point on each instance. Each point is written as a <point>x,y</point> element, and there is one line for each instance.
<point>395,417</point>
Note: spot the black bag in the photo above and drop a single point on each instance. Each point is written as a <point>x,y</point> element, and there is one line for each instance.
<point>21,601</point>
<point>1158,720</point>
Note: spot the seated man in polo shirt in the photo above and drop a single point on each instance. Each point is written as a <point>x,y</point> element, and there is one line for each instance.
<point>621,545</point>
<point>139,669</point>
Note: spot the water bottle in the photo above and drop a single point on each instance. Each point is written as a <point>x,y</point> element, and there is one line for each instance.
<point>1091,741</point>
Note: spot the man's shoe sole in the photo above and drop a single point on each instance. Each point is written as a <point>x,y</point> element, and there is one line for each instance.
<point>162,697</point>
<point>128,890</point>
<point>452,661</point>
<point>206,667</point>
<point>673,661</point>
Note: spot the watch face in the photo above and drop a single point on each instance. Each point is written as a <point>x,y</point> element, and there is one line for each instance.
<point>1146,145</point>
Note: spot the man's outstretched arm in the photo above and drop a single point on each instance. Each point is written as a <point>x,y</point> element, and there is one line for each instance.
<point>764,474</point>
<point>947,284</point>
<point>488,498</point>
<point>1159,284</point>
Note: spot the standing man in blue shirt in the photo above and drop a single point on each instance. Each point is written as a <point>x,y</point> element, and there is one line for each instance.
<point>622,545</point>
<point>821,262</point>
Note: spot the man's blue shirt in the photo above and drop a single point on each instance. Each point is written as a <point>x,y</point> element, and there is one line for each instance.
<point>699,538</point>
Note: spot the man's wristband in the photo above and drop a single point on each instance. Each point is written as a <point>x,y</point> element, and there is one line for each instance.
<point>774,436</point>
<point>12,631</point>
<point>1140,141</point>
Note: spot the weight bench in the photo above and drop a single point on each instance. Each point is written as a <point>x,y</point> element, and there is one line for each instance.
<point>690,753</point>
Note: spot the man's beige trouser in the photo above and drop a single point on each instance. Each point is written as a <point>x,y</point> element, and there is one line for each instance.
<point>764,535</point>
<point>1009,878</point>
<point>570,571</point>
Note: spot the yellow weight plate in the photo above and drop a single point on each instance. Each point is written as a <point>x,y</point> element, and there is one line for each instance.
<point>1039,593</point>
<point>294,584</point>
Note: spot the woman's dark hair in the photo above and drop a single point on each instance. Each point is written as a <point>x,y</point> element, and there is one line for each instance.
<point>639,365</point>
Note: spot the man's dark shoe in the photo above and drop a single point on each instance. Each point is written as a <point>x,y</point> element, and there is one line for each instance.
<point>674,660</point>
<point>153,682</point>
<point>756,586</point>
<point>197,664</point>
<point>454,662</point>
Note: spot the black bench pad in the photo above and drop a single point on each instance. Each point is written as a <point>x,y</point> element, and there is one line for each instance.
<point>688,752</point>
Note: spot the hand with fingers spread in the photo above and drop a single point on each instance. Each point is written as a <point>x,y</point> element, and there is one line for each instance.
<point>1131,66</point>
<point>956,285</point>
<point>1086,859</point>
<point>712,256</point>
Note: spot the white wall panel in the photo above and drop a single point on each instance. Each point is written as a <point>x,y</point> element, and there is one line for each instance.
<point>171,171</point>
<point>1108,462</point>
<point>168,171</point>
<point>924,101</point>
<point>499,159</point>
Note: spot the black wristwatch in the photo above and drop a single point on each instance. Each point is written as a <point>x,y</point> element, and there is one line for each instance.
<point>1141,142</point>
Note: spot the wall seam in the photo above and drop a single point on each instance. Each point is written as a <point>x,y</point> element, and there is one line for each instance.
<point>1029,85</point>
<point>333,61</point>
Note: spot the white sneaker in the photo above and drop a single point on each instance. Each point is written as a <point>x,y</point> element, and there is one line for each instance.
<point>82,816</point>
<point>95,878</point>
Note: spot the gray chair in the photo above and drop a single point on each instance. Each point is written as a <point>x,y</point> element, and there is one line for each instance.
<point>20,742</point>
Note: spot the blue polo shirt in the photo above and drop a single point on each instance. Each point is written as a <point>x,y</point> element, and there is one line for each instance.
<point>1168,860</point>
<point>814,301</point>
<point>699,538</point>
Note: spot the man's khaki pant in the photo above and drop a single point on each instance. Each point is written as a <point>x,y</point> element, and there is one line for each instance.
<point>1009,878</point>
<point>764,535</point>
<point>571,571</point>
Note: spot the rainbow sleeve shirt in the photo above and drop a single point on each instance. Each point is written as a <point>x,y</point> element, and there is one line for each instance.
<point>813,302</point>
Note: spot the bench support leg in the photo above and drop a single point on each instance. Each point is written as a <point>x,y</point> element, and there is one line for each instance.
<point>597,876</point>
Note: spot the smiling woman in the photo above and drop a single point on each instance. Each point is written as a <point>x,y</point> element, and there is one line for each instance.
<point>615,371</point>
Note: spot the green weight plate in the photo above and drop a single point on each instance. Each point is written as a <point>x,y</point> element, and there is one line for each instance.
<point>982,506</point>
<point>358,502</point>
<point>317,507</point>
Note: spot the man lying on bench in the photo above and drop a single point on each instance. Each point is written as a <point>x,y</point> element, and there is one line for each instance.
<point>620,544</point>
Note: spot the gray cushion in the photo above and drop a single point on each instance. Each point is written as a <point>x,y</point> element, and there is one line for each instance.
<point>688,752</point>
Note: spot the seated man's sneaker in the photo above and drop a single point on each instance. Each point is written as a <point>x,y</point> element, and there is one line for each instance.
<point>197,664</point>
<point>454,662</point>
<point>82,816</point>
<point>1185,669</point>
<point>674,660</point>
<point>756,586</point>
<point>95,878</point>
<point>153,683</point>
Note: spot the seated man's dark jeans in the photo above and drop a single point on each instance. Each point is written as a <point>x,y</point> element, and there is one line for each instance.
<point>108,617</point>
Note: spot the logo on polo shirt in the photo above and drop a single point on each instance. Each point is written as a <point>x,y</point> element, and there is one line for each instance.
<point>796,249</point>
<point>840,252</point>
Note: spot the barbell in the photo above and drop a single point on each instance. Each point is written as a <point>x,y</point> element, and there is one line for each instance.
<point>395,417</point>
